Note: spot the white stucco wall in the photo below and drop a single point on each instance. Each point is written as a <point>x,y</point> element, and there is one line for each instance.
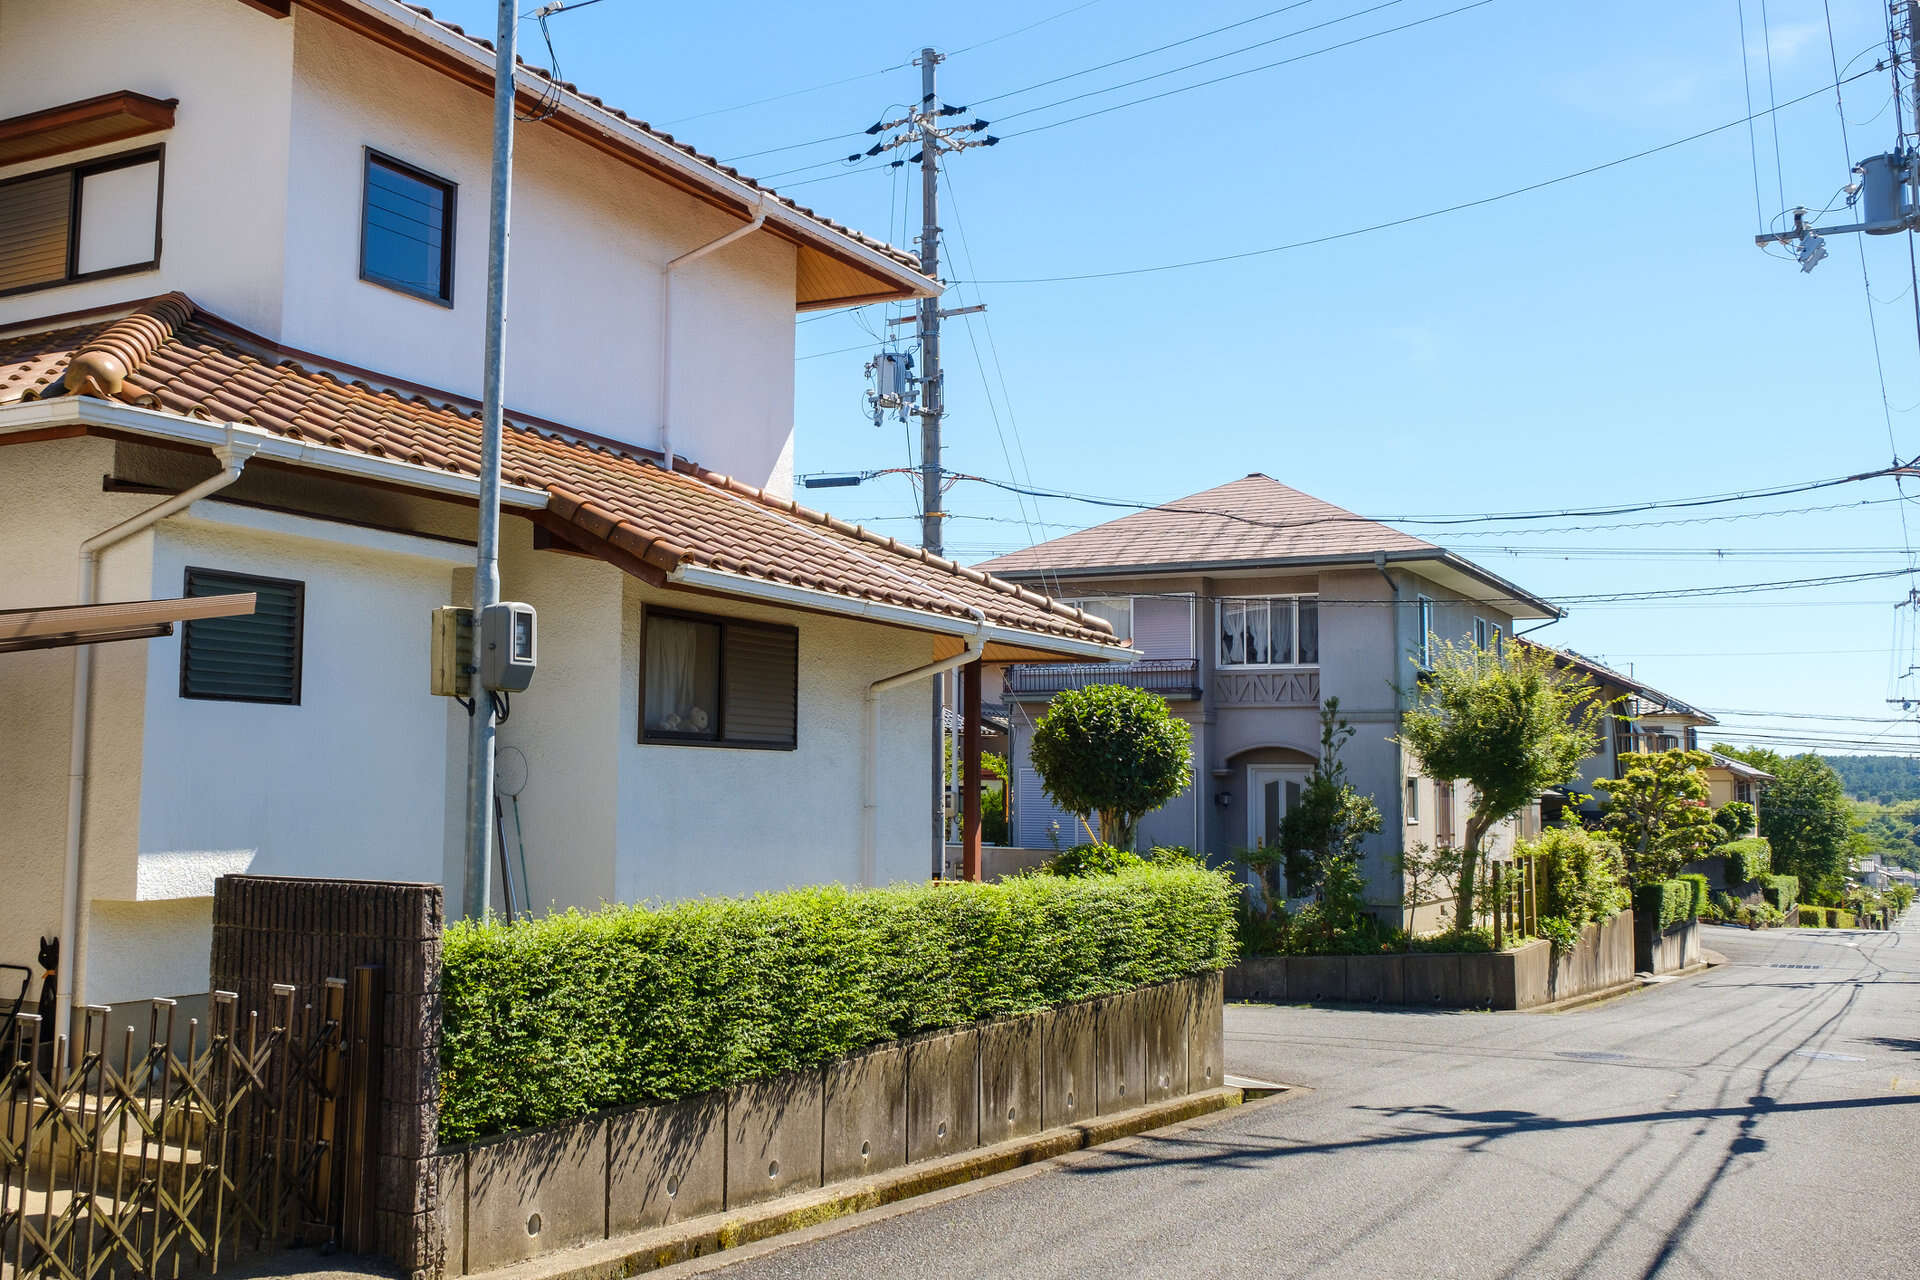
<point>590,236</point>
<point>347,783</point>
<point>223,219</point>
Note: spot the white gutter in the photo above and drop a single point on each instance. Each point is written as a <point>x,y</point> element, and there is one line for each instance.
<point>752,225</point>
<point>32,415</point>
<point>665,153</point>
<point>233,453</point>
<point>793,597</point>
<point>870,752</point>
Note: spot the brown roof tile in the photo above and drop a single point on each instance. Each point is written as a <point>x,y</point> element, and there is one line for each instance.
<point>191,363</point>
<point>1253,520</point>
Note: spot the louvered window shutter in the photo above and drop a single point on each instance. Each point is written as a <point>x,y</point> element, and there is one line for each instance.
<point>251,658</point>
<point>762,676</point>
<point>35,220</point>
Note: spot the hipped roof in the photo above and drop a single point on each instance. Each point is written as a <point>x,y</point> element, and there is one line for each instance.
<point>612,500</point>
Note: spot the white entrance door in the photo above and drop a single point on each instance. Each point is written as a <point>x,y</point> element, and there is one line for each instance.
<point>1272,789</point>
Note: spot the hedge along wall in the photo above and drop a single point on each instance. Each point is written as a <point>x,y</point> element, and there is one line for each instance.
<point>1665,901</point>
<point>563,1016</point>
<point>1747,860</point>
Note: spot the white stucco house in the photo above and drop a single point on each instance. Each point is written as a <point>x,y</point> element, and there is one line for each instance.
<point>242,280</point>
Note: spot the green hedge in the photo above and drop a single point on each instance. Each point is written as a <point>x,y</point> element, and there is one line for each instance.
<point>1700,890</point>
<point>1747,860</point>
<point>1665,901</point>
<point>1812,917</point>
<point>1582,874</point>
<point>1825,918</point>
<point>1783,891</point>
<point>559,1017</point>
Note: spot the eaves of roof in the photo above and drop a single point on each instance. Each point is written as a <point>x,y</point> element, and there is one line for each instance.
<point>1520,602</point>
<point>445,47</point>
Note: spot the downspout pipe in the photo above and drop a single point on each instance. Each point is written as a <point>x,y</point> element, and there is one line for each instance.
<point>753,224</point>
<point>233,456</point>
<point>1398,791</point>
<point>974,646</point>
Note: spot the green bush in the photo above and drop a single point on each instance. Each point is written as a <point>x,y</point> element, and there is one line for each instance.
<point>1583,874</point>
<point>562,1016</point>
<point>1113,752</point>
<point>1562,933</point>
<point>1454,942</point>
<point>1840,918</point>
<point>1700,891</point>
<point>1783,891</point>
<point>1665,901</point>
<point>1811,917</point>
<point>1746,860</point>
<point>1090,860</point>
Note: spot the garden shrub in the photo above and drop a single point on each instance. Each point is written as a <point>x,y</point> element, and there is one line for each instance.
<point>1561,933</point>
<point>565,1015</point>
<point>1094,859</point>
<point>1783,891</point>
<point>1811,917</point>
<point>1583,874</point>
<point>1665,901</point>
<point>1840,918</point>
<point>1700,891</point>
<point>1454,942</point>
<point>1747,860</point>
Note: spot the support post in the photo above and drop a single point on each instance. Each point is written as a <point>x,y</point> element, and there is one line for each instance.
<point>970,771</point>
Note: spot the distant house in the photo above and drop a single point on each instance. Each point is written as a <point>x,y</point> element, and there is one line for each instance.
<point>245,262</point>
<point>1644,719</point>
<point>1254,605</point>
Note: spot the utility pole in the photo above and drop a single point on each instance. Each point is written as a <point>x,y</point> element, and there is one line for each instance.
<point>932,393</point>
<point>476,895</point>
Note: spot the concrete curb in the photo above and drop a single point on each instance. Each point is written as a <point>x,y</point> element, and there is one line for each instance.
<point>646,1251</point>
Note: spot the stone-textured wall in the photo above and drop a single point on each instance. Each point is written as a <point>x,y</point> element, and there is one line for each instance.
<point>1523,978</point>
<point>520,1195</point>
<point>269,930</point>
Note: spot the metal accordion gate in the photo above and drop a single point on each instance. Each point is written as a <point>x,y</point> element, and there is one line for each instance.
<point>162,1153</point>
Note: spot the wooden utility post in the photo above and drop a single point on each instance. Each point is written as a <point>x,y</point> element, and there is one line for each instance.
<point>970,771</point>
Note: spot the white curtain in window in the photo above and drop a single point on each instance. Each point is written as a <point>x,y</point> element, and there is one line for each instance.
<point>672,649</point>
<point>1259,632</point>
<point>1116,610</point>
<point>1309,630</point>
<point>1232,632</point>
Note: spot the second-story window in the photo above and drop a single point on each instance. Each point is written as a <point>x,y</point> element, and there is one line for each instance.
<point>1423,618</point>
<point>1270,631</point>
<point>81,222</point>
<point>406,230</point>
<point>1117,610</point>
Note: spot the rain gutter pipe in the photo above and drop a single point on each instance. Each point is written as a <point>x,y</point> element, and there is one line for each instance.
<point>1399,698</point>
<point>233,455</point>
<point>870,752</point>
<point>752,225</point>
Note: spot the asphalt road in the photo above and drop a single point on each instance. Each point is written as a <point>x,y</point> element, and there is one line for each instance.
<point>1762,1120</point>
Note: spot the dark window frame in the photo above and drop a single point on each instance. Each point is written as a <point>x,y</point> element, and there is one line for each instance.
<point>718,737</point>
<point>370,157</point>
<point>299,589</point>
<point>76,175</point>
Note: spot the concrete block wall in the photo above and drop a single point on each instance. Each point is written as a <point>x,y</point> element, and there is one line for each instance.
<point>521,1195</point>
<point>271,929</point>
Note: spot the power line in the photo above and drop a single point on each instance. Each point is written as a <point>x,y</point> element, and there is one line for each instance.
<point>1431,213</point>
<point>1020,31</point>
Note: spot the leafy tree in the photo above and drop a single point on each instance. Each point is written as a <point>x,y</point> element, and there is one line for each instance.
<point>1735,817</point>
<point>1331,818</point>
<point>1805,817</point>
<point>1511,722</point>
<point>1658,809</point>
<point>1112,751</point>
<point>1887,779</point>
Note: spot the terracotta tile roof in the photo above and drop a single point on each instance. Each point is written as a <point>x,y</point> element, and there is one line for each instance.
<point>1252,521</point>
<point>165,354</point>
<point>485,46</point>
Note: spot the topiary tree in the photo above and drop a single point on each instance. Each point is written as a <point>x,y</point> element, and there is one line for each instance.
<point>1658,809</point>
<point>1112,752</point>
<point>1510,722</point>
<point>1736,818</point>
<point>1331,817</point>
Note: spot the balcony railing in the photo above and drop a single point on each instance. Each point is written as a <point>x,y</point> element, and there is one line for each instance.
<point>1171,678</point>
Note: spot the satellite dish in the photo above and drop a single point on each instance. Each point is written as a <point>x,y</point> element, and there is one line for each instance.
<point>509,771</point>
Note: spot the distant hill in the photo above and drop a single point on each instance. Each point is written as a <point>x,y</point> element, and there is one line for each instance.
<point>1886,779</point>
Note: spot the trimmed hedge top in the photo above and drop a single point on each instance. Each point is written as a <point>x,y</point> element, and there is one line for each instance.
<point>1747,860</point>
<point>563,1016</point>
<point>1667,901</point>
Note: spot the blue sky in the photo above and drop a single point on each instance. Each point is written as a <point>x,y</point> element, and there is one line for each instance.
<point>1609,339</point>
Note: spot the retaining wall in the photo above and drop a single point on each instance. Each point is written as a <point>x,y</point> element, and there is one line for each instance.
<point>1522,978</point>
<point>1667,950</point>
<point>521,1195</point>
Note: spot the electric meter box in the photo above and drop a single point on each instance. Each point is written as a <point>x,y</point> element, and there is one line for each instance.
<point>507,646</point>
<point>452,652</point>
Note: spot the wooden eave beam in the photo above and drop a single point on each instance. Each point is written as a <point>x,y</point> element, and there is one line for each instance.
<point>71,623</point>
<point>40,134</point>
